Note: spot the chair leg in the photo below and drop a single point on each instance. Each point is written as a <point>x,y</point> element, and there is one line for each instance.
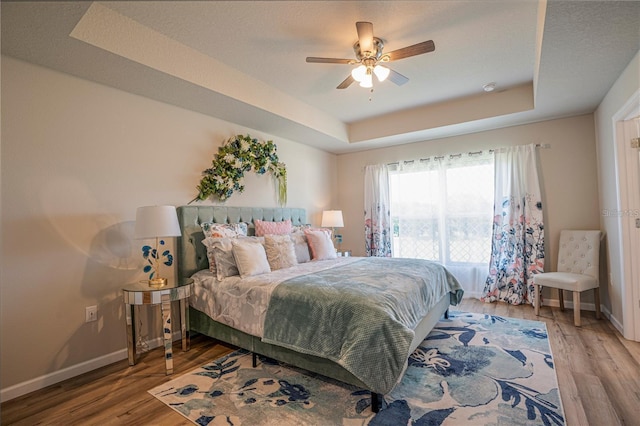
<point>561,298</point>
<point>576,308</point>
<point>536,299</point>
<point>596,293</point>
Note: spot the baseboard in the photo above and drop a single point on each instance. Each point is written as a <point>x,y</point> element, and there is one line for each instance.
<point>613,320</point>
<point>587,307</point>
<point>569,304</point>
<point>60,375</point>
<point>472,295</point>
<point>72,371</point>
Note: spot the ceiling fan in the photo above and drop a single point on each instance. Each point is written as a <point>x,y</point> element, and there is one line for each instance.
<point>369,55</point>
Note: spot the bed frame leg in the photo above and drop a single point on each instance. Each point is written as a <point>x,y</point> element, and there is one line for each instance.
<point>376,402</point>
<point>446,314</point>
<point>254,359</point>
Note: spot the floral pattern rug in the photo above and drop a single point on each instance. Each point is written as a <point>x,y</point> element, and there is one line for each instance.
<point>472,369</point>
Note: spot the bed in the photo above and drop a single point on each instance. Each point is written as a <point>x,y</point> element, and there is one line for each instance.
<point>282,337</point>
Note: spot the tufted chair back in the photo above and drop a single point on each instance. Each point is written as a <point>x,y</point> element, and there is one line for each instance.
<point>579,252</point>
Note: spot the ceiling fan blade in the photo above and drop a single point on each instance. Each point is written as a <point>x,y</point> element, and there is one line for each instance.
<point>346,83</point>
<point>365,36</point>
<point>397,78</point>
<point>329,60</point>
<point>413,50</point>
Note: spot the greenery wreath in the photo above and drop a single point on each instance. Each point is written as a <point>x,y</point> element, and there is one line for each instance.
<point>236,156</point>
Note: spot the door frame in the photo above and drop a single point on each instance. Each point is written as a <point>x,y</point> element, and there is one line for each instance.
<point>628,161</point>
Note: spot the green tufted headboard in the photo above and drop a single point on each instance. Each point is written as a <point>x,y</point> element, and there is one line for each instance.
<point>192,254</point>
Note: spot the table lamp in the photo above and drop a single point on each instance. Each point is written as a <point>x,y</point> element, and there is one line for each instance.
<point>333,219</point>
<point>156,222</point>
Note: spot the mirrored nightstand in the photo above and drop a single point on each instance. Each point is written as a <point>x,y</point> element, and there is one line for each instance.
<point>141,294</point>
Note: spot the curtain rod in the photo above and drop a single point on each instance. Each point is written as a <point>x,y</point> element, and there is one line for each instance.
<point>439,157</point>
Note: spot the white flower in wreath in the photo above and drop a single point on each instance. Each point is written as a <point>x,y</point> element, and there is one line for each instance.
<point>234,158</point>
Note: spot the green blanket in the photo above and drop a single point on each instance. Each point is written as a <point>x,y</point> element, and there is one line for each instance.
<point>359,315</point>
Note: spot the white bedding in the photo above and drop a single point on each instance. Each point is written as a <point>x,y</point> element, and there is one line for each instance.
<point>242,303</point>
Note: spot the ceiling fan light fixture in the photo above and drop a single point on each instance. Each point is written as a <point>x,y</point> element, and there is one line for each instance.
<point>368,52</point>
<point>359,73</point>
<point>367,81</point>
<point>381,72</point>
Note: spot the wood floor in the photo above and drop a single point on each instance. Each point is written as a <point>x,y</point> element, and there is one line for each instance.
<point>598,372</point>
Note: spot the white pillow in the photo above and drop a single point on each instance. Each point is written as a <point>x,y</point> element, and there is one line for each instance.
<point>280,251</point>
<point>321,245</point>
<point>251,259</point>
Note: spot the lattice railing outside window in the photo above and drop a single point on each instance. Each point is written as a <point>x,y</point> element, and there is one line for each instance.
<point>443,211</point>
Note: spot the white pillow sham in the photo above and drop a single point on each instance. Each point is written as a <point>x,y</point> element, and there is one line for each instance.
<point>250,257</point>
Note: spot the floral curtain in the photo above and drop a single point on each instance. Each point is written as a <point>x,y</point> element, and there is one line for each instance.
<point>517,251</point>
<point>377,215</point>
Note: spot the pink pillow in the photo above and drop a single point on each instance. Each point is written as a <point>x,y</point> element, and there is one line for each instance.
<point>321,245</point>
<point>272,228</point>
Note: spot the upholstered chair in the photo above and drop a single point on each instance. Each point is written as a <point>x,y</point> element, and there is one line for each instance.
<point>578,270</point>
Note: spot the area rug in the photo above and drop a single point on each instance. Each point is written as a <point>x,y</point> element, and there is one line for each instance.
<point>472,369</point>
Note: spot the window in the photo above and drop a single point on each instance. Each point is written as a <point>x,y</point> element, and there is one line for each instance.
<point>442,210</point>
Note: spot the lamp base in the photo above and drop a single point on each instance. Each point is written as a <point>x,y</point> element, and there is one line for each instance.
<point>157,282</point>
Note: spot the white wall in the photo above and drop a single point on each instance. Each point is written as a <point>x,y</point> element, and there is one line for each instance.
<point>568,171</point>
<point>78,158</point>
<point>608,157</point>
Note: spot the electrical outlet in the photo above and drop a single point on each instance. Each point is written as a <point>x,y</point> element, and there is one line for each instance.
<point>90,313</point>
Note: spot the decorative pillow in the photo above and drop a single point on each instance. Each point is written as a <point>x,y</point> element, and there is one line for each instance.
<point>321,245</point>
<point>225,264</point>
<point>224,230</point>
<point>325,230</point>
<point>272,228</point>
<point>250,258</point>
<point>301,247</point>
<point>252,239</point>
<point>209,243</point>
<point>280,251</point>
<point>300,228</point>
<point>213,231</point>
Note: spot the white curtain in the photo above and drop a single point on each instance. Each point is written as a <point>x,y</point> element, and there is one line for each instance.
<point>377,219</point>
<point>441,211</point>
<point>517,251</point>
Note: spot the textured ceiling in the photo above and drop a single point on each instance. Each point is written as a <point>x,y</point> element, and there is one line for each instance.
<point>244,61</point>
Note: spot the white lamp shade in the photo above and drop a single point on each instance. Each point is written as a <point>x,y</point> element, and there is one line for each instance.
<point>156,221</point>
<point>381,72</point>
<point>358,73</point>
<point>332,219</point>
<point>367,81</point>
